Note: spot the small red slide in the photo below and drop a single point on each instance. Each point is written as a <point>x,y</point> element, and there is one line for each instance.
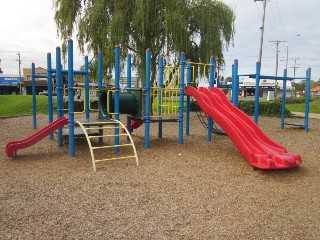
<point>134,125</point>
<point>259,150</point>
<point>12,147</point>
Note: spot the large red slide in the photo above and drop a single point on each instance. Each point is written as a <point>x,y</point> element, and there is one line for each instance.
<point>259,150</point>
<point>12,147</point>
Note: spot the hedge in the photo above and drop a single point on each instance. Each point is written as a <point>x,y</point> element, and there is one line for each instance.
<point>269,109</point>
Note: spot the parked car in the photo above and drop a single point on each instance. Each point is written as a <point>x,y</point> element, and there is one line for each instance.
<point>44,92</point>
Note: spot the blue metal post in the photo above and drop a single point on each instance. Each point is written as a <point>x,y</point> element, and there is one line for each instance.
<point>50,89</point>
<point>34,101</point>
<point>233,86</point>
<point>188,98</point>
<point>181,95</point>
<point>147,100</point>
<point>307,105</point>
<point>86,76</point>
<point>100,70</point>
<point>211,85</point>
<point>236,89</point>
<point>116,95</point>
<point>129,70</point>
<point>129,56</point>
<point>283,104</point>
<point>59,91</point>
<point>71,98</point>
<point>100,76</point>
<point>161,62</point>
<point>256,97</point>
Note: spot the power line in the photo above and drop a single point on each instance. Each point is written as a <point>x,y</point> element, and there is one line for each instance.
<point>286,37</point>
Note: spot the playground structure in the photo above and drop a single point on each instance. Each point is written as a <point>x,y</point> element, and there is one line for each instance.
<point>163,103</point>
<point>257,76</point>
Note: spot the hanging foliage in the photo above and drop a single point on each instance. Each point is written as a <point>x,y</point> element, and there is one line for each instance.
<point>200,28</point>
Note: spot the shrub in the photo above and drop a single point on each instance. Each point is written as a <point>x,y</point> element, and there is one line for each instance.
<point>269,109</point>
<point>295,100</point>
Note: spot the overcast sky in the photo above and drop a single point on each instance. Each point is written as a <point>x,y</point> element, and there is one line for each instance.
<point>28,27</point>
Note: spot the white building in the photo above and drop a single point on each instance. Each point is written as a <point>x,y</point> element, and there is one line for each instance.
<point>267,88</point>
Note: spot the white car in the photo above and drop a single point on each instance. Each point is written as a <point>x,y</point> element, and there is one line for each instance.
<point>44,92</point>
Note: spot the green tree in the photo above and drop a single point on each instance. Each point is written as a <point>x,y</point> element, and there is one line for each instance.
<point>314,83</point>
<point>300,86</point>
<point>200,28</point>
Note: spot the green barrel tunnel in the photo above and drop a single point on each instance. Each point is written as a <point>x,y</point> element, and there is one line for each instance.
<point>129,103</point>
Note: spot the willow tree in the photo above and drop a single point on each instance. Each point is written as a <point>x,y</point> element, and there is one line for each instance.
<point>200,28</point>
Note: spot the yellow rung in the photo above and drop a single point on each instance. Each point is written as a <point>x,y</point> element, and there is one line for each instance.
<point>112,146</point>
<point>115,158</point>
<point>109,135</point>
<point>100,128</point>
<point>98,123</point>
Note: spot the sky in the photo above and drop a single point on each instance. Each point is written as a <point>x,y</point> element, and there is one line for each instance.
<point>28,28</point>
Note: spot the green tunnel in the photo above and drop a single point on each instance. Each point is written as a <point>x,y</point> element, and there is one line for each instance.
<point>129,103</point>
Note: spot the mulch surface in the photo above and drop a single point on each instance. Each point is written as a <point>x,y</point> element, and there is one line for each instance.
<point>198,190</point>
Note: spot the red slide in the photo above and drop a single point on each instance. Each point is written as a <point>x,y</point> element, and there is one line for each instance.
<point>259,150</point>
<point>134,125</point>
<point>12,147</point>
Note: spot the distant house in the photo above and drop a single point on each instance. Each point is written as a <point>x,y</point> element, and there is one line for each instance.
<point>315,92</point>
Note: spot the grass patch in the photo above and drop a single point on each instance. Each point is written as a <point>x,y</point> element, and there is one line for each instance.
<point>15,105</point>
<point>300,107</point>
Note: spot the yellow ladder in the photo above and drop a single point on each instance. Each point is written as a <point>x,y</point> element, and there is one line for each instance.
<point>107,126</point>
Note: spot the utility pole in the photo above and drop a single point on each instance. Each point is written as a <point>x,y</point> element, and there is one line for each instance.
<point>277,64</point>
<point>19,61</point>
<point>295,66</point>
<point>262,28</point>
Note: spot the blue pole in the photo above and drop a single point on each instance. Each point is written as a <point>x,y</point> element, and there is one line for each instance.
<point>256,97</point>
<point>307,105</point>
<point>86,69</point>
<point>283,104</point>
<point>71,98</point>
<point>50,108</point>
<point>211,85</point>
<point>100,70</point>
<point>100,76</point>
<point>233,86</point>
<point>188,98</point>
<point>181,95</point>
<point>161,67</point>
<point>34,101</point>
<point>116,95</point>
<point>59,91</point>
<point>129,70</point>
<point>236,77</point>
<point>129,85</point>
<point>147,100</point>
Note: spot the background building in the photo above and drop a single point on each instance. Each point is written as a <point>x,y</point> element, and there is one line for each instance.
<point>41,83</point>
<point>10,84</point>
